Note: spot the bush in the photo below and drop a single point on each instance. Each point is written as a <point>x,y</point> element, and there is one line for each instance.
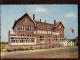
<point>26,49</point>
<point>20,49</point>
<point>50,46</point>
<point>9,50</point>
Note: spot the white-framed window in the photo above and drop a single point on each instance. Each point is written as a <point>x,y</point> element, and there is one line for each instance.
<point>16,41</point>
<point>42,39</point>
<point>21,41</point>
<point>19,28</point>
<point>28,28</point>
<point>32,40</point>
<point>13,41</point>
<point>22,34</point>
<point>12,37</point>
<point>23,28</point>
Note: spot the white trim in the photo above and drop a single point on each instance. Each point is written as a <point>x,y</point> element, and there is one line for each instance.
<point>22,36</point>
<point>46,32</point>
<point>17,28</point>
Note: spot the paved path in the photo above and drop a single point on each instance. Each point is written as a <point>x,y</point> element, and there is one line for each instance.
<point>63,52</point>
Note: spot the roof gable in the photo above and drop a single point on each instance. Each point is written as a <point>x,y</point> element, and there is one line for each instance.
<point>61,24</point>
<point>57,24</point>
<point>21,18</point>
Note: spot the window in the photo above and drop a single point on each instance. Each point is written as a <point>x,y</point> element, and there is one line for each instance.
<point>27,38</point>
<point>29,35</point>
<point>54,30</point>
<point>15,37</point>
<point>18,38</point>
<point>47,26</point>
<point>32,39</point>
<point>42,39</point>
<point>13,41</point>
<point>12,38</point>
<point>16,41</point>
<point>23,28</point>
<point>19,28</point>
<point>21,41</point>
<point>26,41</point>
<point>56,37</point>
<point>59,26</point>
<point>22,38</point>
<point>37,28</point>
<point>22,34</point>
<point>60,34</point>
<point>28,28</point>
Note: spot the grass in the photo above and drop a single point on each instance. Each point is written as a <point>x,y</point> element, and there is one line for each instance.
<point>3,45</point>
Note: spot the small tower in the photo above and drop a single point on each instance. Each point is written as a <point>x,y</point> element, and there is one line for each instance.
<point>54,22</point>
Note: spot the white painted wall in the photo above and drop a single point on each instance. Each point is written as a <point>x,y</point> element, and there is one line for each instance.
<point>67,43</point>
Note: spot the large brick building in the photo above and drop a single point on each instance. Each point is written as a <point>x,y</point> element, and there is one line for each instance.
<point>29,33</point>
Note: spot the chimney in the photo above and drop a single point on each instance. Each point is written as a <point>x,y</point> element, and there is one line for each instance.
<point>9,32</point>
<point>33,16</point>
<point>45,21</point>
<point>40,20</point>
<point>54,22</point>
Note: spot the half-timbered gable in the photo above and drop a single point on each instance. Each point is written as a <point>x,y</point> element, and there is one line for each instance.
<point>24,26</point>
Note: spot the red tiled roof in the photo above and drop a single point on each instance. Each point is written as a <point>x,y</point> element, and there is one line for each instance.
<point>37,22</point>
<point>53,25</point>
<point>43,22</point>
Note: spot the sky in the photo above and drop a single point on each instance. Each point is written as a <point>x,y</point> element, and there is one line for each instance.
<point>66,13</point>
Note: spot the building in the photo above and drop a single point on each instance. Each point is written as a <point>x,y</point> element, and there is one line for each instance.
<point>30,33</point>
<point>66,43</point>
